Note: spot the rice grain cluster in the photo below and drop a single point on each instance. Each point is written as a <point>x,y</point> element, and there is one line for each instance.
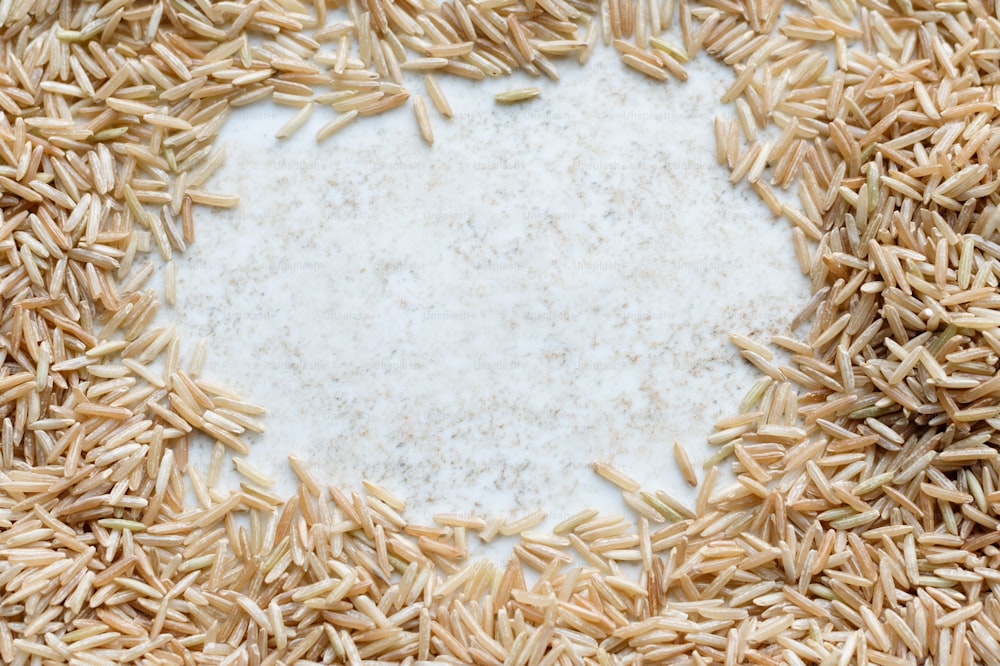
<point>863,524</point>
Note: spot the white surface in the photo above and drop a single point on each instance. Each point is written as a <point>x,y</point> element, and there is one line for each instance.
<point>472,324</point>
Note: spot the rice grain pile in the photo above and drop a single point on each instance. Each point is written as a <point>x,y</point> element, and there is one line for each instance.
<point>862,527</point>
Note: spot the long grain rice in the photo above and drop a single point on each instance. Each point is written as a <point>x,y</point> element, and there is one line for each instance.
<point>518,95</point>
<point>860,527</point>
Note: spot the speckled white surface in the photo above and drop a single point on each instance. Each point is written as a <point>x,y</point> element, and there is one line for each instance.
<point>472,324</point>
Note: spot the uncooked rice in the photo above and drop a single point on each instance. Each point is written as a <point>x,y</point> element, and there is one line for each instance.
<point>860,525</point>
<point>518,95</point>
<point>423,119</point>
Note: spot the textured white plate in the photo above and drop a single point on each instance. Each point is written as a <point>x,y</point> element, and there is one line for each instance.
<point>472,324</point>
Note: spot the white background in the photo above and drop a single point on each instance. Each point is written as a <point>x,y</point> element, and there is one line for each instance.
<point>471,324</point>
